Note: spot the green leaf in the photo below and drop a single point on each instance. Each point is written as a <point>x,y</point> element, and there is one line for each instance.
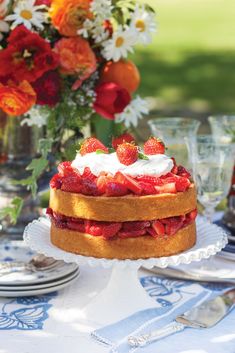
<point>13,211</point>
<point>143,156</point>
<point>100,151</point>
<point>45,146</point>
<point>37,166</point>
<point>24,182</point>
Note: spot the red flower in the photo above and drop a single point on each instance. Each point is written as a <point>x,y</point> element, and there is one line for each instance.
<point>27,57</point>
<point>43,2</point>
<point>47,88</point>
<point>110,99</point>
<point>17,99</point>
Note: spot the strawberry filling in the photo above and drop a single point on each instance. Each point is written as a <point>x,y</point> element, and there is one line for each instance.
<point>110,230</point>
<point>70,180</point>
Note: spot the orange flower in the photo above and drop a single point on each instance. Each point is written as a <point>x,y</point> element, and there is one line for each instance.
<point>68,16</point>
<point>76,57</point>
<point>17,100</point>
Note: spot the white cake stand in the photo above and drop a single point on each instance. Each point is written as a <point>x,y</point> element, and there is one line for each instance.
<point>124,294</point>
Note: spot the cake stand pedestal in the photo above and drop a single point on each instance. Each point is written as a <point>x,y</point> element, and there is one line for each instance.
<point>124,295</point>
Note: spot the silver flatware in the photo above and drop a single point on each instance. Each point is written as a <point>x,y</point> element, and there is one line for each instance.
<point>38,263</point>
<point>205,315</point>
<point>179,274</point>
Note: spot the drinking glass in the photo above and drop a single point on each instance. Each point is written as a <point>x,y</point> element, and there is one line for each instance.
<point>213,168</point>
<point>223,129</point>
<point>177,133</point>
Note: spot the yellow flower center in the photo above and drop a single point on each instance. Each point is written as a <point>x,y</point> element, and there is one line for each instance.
<point>140,25</point>
<point>119,42</point>
<point>26,14</point>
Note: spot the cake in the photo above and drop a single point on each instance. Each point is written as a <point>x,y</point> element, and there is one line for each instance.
<point>126,203</point>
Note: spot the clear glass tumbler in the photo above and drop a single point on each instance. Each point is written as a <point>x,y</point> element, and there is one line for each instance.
<point>177,133</point>
<point>223,129</point>
<point>213,168</point>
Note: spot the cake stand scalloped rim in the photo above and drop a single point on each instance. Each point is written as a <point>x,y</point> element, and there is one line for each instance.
<point>211,239</point>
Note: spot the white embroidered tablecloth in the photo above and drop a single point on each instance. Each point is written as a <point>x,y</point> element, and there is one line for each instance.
<point>56,317</point>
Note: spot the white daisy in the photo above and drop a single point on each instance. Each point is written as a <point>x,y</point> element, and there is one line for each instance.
<point>28,14</point>
<point>86,28</point>
<point>4,28</point>
<point>36,116</point>
<point>144,23</point>
<point>120,44</point>
<point>102,9</point>
<point>133,112</point>
<point>99,33</point>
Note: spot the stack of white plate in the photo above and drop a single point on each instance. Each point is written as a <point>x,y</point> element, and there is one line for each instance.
<point>22,282</point>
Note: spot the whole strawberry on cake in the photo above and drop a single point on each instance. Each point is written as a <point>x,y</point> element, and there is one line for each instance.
<point>124,203</point>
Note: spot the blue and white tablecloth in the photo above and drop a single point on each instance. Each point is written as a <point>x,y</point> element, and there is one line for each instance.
<point>52,323</point>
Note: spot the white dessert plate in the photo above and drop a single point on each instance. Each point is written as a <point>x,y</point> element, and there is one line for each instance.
<point>214,269</point>
<point>18,251</point>
<point>32,292</point>
<point>40,285</point>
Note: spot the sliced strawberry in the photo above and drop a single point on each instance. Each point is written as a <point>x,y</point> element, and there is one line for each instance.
<point>171,179</point>
<point>149,179</point>
<point>147,189</point>
<point>158,227</point>
<point>92,144</point>
<point>192,215</point>
<point>65,169</point>
<point>105,229</point>
<point>78,226</point>
<point>59,224</point>
<point>114,188</point>
<point>174,170</point>
<point>102,181</point>
<point>111,230</point>
<point>183,172</point>
<point>168,175</point>
<point>87,174</point>
<point>94,228</point>
<point>182,184</point>
<point>172,224</point>
<point>127,153</point>
<point>136,225</point>
<point>152,232</point>
<point>129,182</point>
<point>49,211</point>
<point>166,189</point>
<point>126,137</point>
<point>56,182</point>
<point>71,184</point>
<point>154,146</point>
<point>89,187</point>
<point>132,234</point>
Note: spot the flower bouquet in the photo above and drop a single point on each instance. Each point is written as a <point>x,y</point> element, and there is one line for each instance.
<point>63,65</point>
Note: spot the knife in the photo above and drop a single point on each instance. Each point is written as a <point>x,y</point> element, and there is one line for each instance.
<point>205,315</point>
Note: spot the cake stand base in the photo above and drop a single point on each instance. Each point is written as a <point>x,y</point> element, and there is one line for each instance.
<point>122,297</point>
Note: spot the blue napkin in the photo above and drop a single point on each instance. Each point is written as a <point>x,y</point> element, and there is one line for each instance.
<point>172,298</point>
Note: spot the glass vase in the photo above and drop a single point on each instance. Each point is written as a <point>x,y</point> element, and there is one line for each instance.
<point>18,145</point>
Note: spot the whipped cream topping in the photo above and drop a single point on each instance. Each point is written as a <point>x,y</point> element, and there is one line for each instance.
<point>156,165</point>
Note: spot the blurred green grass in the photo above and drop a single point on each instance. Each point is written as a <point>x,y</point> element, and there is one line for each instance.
<point>191,61</point>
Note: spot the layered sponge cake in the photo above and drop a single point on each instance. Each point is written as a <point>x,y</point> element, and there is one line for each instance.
<point>124,204</point>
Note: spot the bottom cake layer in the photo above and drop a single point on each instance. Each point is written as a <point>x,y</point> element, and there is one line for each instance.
<point>130,248</point>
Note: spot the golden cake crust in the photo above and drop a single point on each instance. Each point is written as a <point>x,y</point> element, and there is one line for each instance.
<point>123,208</point>
<point>129,248</point>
